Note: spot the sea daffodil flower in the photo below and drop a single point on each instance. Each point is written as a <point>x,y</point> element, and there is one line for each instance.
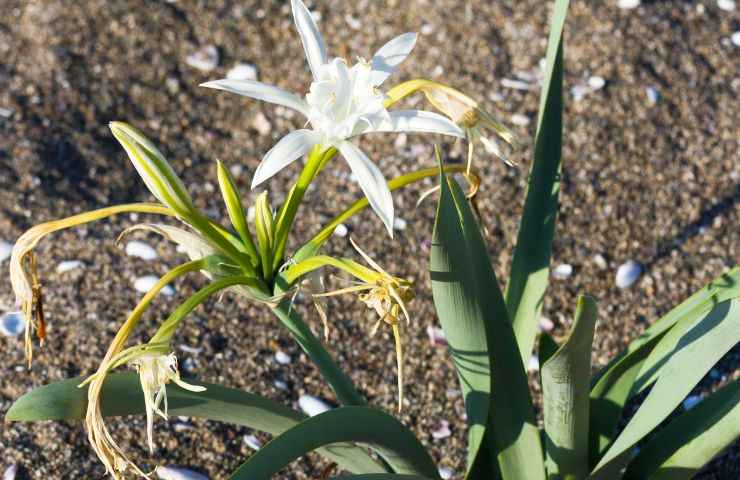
<point>342,103</point>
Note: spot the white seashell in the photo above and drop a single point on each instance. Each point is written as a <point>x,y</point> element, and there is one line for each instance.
<point>190,350</point>
<point>312,406</point>
<point>562,271</point>
<point>142,250</point>
<point>69,265</point>
<point>280,385</point>
<point>691,401</point>
<point>282,358</point>
<point>261,124</point>
<point>145,283</point>
<point>546,325</point>
<point>520,120</point>
<point>735,40</point>
<point>596,82</point>
<point>353,22</point>
<point>628,4</point>
<point>436,336</point>
<point>516,84</point>
<point>445,473</point>
<point>443,431</point>
<point>12,324</point>
<point>341,230</point>
<point>652,95</point>
<point>242,71</point>
<point>205,59</point>
<point>10,472</point>
<point>600,261</point>
<point>172,473</point>
<point>628,273</point>
<point>727,5</point>
<point>5,250</point>
<point>252,442</point>
<point>399,223</point>
<point>534,363</point>
<point>579,91</point>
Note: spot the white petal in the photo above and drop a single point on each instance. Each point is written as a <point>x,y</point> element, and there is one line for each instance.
<point>260,91</point>
<point>419,121</point>
<point>371,181</point>
<point>391,55</point>
<point>188,386</point>
<point>310,36</point>
<point>286,151</point>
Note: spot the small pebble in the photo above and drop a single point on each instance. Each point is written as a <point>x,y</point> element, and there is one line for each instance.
<point>427,29</point>
<point>691,401</point>
<point>727,5</point>
<point>546,325</point>
<point>252,442</point>
<point>516,84</point>
<point>190,350</point>
<point>10,472</point>
<point>401,140</point>
<point>6,112</point>
<point>445,473</point>
<point>399,223</point>
<point>436,336</point>
<point>628,4</point>
<point>600,261</point>
<point>596,82</point>
<point>534,363</point>
<point>261,124</point>
<point>172,473</point>
<point>242,71</point>
<point>443,431</point>
<point>250,214</point>
<point>280,385</point>
<point>562,271</point>
<point>5,250</point>
<point>142,250</point>
<point>628,273</point>
<point>353,22</point>
<point>736,38</point>
<point>520,120</point>
<point>145,283</point>
<point>282,358</point>
<point>652,95</point>
<point>312,406</point>
<point>205,59</point>
<point>12,324</point>
<point>69,265</point>
<point>579,91</point>
<point>341,230</point>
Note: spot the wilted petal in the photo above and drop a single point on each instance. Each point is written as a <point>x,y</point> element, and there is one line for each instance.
<point>310,37</point>
<point>371,181</point>
<point>391,55</point>
<point>418,121</point>
<point>286,151</point>
<point>260,91</point>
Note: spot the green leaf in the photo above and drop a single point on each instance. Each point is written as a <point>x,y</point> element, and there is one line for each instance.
<point>235,208</point>
<point>613,386</point>
<point>680,449</point>
<point>264,223</point>
<point>696,352</point>
<point>122,395</point>
<point>380,476</point>
<point>565,397</point>
<point>383,433</point>
<point>473,314</point>
<point>530,265</point>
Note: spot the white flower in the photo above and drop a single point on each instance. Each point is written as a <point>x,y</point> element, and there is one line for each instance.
<point>342,102</point>
<point>156,371</point>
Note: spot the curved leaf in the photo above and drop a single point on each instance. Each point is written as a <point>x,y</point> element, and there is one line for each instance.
<point>565,397</point>
<point>473,313</point>
<point>122,395</point>
<point>383,433</point>
<point>680,449</point>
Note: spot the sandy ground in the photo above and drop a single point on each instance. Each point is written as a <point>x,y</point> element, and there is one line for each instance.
<point>653,181</point>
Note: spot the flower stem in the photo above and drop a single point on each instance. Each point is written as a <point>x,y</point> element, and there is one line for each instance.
<point>343,387</point>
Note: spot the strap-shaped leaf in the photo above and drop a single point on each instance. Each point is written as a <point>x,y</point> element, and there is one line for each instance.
<point>565,397</point>
<point>383,433</point>
<point>687,443</point>
<point>530,266</point>
<point>613,386</point>
<point>695,354</point>
<point>473,314</point>
<point>122,395</point>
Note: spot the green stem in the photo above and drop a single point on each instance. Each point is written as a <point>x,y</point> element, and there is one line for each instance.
<point>317,159</point>
<point>339,381</point>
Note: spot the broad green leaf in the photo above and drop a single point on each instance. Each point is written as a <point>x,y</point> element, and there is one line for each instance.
<point>383,433</point>
<point>548,346</point>
<point>613,385</point>
<point>122,395</point>
<point>680,449</point>
<point>696,352</point>
<point>473,314</point>
<point>530,265</point>
<point>565,397</point>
